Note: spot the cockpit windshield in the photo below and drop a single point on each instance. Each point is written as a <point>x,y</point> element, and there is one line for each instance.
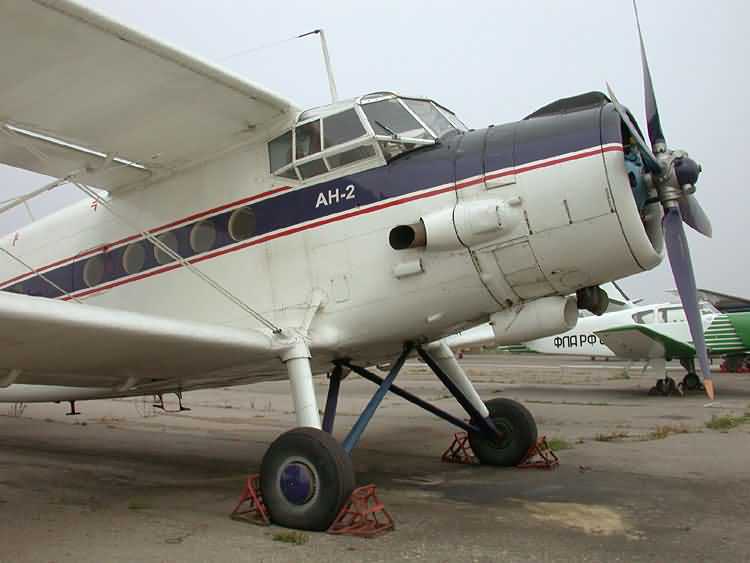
<point>430,116</point>
<point>390,117</point>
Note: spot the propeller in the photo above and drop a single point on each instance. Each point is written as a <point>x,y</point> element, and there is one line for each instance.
<point>674,176</point>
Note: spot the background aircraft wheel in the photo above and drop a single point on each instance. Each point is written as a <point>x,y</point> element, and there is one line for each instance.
<point>666,386</point>
<point>306,476</point>
<point>519,429</point>
<point>691,381</point>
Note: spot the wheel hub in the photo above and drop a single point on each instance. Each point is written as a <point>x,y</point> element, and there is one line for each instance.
<point>505,431</point>
<point>297,483</point>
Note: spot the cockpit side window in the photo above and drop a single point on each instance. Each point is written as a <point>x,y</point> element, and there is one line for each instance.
<point>280,151</point>
<point>673,315</point>
<point>431,117</point>
<point>389,117</point>
<point>341,127</point>
<point>351,156</point>
<point>307,139</point>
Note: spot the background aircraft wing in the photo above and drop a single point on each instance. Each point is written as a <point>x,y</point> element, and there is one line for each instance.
<point>76,87</point>
<point>44,341</point>
<point>724,302</point>
<point>640,342</point>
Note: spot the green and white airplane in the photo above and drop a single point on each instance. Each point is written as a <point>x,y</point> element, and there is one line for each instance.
<point>655,333</point>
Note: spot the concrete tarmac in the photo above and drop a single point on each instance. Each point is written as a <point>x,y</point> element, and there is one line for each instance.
<point>642,478</point>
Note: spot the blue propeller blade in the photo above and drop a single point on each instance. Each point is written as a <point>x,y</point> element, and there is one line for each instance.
<point>652,165</point>
<point>682,270</point>
<point>655,133</point>
<point>693,215</point>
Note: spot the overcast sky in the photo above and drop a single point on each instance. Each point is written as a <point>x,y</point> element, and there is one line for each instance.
<point>493,62</point>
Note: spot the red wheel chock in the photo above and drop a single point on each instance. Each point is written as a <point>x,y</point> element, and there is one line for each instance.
<point>360,516</point>
<point>251,507</point>
<point>460,450</point>
<point>545,457</point>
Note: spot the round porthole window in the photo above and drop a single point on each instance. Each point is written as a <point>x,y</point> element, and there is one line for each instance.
<point>242,224</point>
<point>134,258</point>
<point>170,240</point>
<point>93,270</point>
<point>202,236</point>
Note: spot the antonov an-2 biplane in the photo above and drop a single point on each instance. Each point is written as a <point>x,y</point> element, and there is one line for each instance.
<point>230,238</point>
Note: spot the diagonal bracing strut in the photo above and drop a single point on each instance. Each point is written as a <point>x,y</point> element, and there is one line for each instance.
<point>478,422</point>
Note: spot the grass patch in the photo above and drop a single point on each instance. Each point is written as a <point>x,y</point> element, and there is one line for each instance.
<point>611,436</point>
<point>138,505</point>
<point>296,538</point>
<point>557,444</point>
<point>662,432</point>
<point>726,422</point>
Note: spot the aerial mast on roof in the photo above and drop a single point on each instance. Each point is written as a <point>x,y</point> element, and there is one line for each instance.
<point>327,60</point>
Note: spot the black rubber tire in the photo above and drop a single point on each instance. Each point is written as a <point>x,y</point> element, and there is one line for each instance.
<point>332,467</point>
<point>521,433</point>
<point>666,386</point>
<point>691,381</point>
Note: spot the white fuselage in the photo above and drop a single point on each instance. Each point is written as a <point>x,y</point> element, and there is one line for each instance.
<point>572,223</point>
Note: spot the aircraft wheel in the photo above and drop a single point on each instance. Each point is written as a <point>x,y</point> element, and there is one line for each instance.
<point>691,381</point>
<point>666,386</point>
<point>306,477</point>
<point>519,429</point>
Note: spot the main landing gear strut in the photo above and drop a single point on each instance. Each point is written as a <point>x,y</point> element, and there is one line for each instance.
<point>667,386</point>
<point>306,475</point>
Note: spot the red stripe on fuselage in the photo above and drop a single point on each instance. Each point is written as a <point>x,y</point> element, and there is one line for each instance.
<point>189,218</point>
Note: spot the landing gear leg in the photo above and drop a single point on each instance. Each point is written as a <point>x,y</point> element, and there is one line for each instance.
<point>504,430</point>
<point>306,475</point>
<point>446,360</point>
<point>665,385</point>
<point>691,381</point>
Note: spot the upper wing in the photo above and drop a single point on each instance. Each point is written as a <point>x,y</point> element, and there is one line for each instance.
<point>60,343</point>
<point>76,87</point>
<point>640,342</point>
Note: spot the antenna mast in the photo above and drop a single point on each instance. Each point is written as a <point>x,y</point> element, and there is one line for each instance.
<point>327,60</point>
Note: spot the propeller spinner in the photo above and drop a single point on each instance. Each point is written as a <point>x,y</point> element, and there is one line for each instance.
<point>674,175</point>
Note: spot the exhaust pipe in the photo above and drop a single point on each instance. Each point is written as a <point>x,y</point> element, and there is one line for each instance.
<point>464,226</point>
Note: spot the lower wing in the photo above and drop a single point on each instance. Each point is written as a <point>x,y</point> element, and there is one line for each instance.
<point>54,343</point>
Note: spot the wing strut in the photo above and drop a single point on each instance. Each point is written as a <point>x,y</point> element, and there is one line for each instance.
<point>33,270</point>
<point>172,254</point>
